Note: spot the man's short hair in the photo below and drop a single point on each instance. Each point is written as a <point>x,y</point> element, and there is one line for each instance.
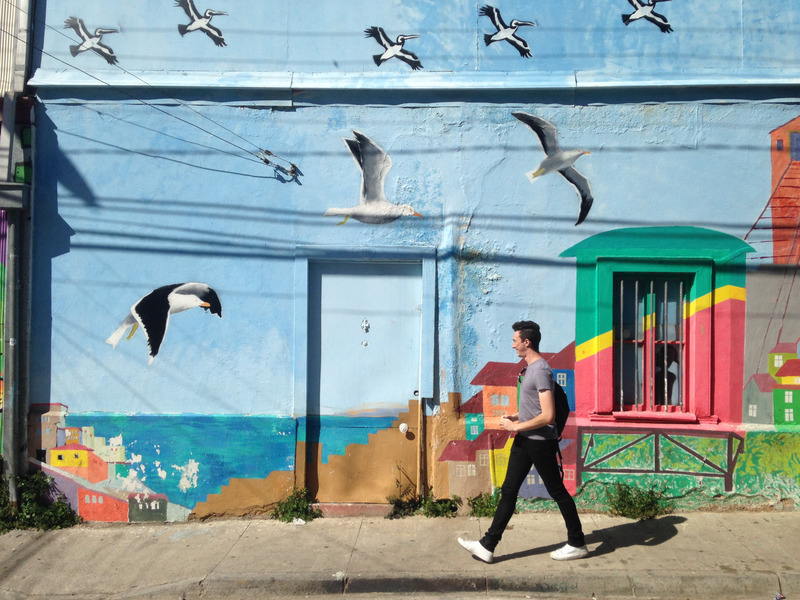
<point>528,330</point>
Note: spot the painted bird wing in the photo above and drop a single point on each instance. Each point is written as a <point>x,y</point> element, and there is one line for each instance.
<point>545,131</point>
<point>521,45</point>
<point>152,313</point>
<point>379,35</point>
<point>494,15</point>
<point>189,8</point>
<point>581,184</point>
<point>215,34</point>
<point>77,26</point>
<point>374,163</point>
<point>410,59</point>
<point>659,20</point>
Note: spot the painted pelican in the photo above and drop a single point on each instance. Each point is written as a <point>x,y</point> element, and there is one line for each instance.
<point>90,41</point>
<point>558,160</point>
<point>506,32</point>
<point>646,10</point>
<point>394,49</point>
<point>374,208</point>
<point>153,310</point>
<point>201,23</point>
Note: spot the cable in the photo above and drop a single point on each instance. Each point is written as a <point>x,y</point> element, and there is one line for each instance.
<point>262,154</point>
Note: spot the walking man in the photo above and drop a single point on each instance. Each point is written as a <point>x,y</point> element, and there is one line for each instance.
<point>535,444</point>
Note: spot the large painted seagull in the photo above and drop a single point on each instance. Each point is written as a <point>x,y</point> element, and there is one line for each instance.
<point>90,41</point>
<point>374,208</point>
<point>394,48</point>
<point>505,32</point>
<point>646,10</point>
<point>200,23</point>
<point>153,310</point>
<point>558,160</point>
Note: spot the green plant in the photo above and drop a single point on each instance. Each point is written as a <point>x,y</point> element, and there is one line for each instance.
<point>407,504</point>
<point>445,507</point>
<point>40,506</point>
<point>635,503</point>
<point>484,505</point>
<point>298,505</point>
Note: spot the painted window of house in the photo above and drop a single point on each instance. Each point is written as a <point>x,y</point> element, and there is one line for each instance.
<point>753,410</point>
<point>789,415</point>
<point>649,341</point>
<point>59,456</point>
<point>504,400</point>
<point>495,399</point>
<point>460,470</point>
<point>87,499</point>
<point>779,145</point>
<point>484,460</point>
<point>471,470</point>
<point>778,360</point>
<point>501,460</point>
<point>561,378</point>
<point>787,396</point>
<point>473,430</point>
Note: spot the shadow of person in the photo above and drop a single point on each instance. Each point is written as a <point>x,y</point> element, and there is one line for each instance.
<point>651,532</point>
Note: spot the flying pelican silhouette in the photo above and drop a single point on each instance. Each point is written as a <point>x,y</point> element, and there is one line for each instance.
<point>153,310</point>
<point>646,10</point>
<point>90,41</point>
<point>200,23</point>
<point>394,49</point>
<point>373,208</point>
<point>506,32</point>
<point>558,160</point>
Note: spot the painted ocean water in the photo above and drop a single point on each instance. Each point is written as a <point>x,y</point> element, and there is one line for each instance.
<point>187,457</point>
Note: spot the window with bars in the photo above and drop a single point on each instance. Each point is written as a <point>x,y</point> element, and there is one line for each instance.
<point>650,342</point>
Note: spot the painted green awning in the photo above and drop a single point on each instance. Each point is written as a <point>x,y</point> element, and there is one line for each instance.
<point>661,242</point>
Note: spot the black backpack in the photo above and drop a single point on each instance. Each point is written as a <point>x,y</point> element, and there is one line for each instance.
<point>562,407</point>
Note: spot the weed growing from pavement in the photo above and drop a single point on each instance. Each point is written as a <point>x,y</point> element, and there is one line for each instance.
<point>39,505</point>
<point>484,505</point>
<point>298,505</point>
<point>406,503</point>
<point>636,503</point>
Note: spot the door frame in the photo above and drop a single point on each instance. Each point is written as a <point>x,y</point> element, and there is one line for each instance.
<point>304,255</point>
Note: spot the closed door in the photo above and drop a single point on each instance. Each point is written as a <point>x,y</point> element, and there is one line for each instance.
<point>364,373</point>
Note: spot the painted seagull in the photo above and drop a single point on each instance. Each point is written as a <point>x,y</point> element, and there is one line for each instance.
<point>90,41</point>
<point>394,49</point>
<point>506,32</point>
<point>558,160</point>
<point>200,23</point>
<point>374,208</point>
<point>646,10</point>
<point>153,310</point>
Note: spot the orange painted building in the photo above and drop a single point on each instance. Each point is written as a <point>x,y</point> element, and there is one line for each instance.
<point>79,460</point>
<point>785,199</point>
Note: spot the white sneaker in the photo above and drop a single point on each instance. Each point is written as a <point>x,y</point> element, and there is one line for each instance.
<point>569,553</point>
<point>477,549</point>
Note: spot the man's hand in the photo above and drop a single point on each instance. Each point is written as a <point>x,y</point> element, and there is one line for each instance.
<point>508,424</point>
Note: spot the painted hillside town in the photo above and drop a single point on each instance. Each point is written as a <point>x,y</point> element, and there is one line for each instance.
<point>251,250</point>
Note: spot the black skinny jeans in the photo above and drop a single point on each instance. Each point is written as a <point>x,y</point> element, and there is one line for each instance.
<point>541,454</point>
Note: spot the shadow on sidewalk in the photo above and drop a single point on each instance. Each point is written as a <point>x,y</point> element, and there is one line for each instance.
<point>638,533</point>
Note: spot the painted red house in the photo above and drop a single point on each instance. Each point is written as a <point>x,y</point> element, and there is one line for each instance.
<point>784,203</point>
<point>106,505</point>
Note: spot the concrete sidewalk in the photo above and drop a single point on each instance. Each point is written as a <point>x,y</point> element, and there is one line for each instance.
<point>691,555</point>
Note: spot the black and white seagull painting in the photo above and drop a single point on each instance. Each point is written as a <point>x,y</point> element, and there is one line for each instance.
<point>373,207</point>
<point>200,22</point>
<point>646,10</point>
<point>394,48</point>
<point>90,41</point>
<point>153,310</point>
<point>505,32</point>
<point>558,160</point>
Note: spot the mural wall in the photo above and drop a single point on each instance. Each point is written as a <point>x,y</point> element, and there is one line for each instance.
<point>375,194</point>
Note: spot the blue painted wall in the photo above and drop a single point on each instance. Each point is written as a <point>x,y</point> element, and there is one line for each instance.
<point>147,174</point>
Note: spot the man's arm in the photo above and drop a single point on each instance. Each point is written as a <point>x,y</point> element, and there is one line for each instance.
<point>548,415</point>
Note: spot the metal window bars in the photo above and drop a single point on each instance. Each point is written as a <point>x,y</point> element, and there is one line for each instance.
<point>650,344</point>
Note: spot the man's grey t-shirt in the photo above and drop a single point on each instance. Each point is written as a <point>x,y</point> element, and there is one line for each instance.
<point>538,376</point>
